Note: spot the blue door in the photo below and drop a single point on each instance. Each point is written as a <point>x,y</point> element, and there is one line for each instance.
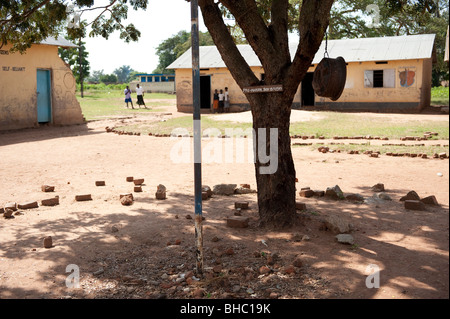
<point>44,105</point>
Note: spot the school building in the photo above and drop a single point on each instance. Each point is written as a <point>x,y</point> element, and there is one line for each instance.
<point>384,74</point>
<point>154,82</point>
<point>37,87</point>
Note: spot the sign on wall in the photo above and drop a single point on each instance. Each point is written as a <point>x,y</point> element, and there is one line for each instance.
<point>407,76</point>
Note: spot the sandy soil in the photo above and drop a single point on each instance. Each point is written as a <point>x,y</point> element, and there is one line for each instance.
<point>131,251</point>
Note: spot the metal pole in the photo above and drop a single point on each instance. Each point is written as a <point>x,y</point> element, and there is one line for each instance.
<point>197,135</point>
<point>80,54</point>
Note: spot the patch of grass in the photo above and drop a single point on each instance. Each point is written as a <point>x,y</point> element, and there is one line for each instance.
<point>345,124</point>
<point>97,104</point>
<point>440,95</point>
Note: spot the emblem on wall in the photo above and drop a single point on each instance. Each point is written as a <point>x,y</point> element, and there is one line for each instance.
<point>407,77</point>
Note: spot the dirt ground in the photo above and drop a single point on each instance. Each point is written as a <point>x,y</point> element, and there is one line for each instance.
<point>147,250</point>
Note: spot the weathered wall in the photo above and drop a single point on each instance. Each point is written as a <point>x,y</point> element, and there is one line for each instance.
<point>18,98</point>
<point>152,87</point>
<point>355,97</point>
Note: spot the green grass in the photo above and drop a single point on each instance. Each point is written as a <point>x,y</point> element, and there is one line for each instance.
<point>347,124</point>
<point>440,95</point>
<point>97,104</point>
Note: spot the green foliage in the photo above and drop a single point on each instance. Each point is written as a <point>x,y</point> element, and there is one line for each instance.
<point>440,95</point>
<point>172,48</point>
<point>123,73</point>
<point>25,22</point>
<point>72,57</point>
<point>108,78</point>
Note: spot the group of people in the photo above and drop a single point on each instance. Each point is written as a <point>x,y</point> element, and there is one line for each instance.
<point>221,101</point>
<point>139,94</point>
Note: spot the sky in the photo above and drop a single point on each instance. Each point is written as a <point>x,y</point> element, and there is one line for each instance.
<point>161,20</point>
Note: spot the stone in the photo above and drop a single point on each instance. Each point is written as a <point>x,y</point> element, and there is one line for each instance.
<point>298,262</point>
<point>47,188</point>
<point>28,205</point>
<point>306,193</point>
<point>127,200</point>
<point>264,270</point>
<point>205,195</point>
<point>241,205</point>
<point>138,181</point>
<point>48,242</point>
<point>412,195</point>
<point>430,200</point>
<point>100,183</point>
<point>414,205</point>
<point>8,213</point>
<point>188,216</point>
<point>130,179</point>
<point>114,229</point>
<point>442,155</point>
<point>378,188</point>
<point>300,206</point>
<point>354,198</point>
<point>160,192</point>
<point>207,189</point>
<point>244,190</point>
<point>318,193</point>
<point>382,195</point>
<point>345,239</point>
<point>334,192</point>
<point>245,186</point>
<point>82,198</point>
<point>224,189</point>
<point>12,206</point>
<point>237,222</point>
<point>50,201</point>
<point>126,195</point>
<point>337,224</point>
<point>2,210</point>
<point>138,188</point>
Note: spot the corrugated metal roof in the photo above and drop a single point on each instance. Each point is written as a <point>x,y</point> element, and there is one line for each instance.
<point>60,42</point>
<point>352,50</point>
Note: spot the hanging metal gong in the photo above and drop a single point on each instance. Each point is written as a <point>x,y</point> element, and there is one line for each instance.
<point>329,78</point>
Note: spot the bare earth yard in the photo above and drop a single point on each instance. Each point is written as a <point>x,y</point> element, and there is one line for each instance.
<point>132,251</point>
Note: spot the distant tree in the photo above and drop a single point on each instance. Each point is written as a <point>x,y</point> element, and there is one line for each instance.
<point>72,57</point>
<point>123,73</point>
<point>132,75</point>
<point>108,78</point>
<point>96,75</point>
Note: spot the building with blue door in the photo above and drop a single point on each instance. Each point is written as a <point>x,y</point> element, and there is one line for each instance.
<point>37,87</point>
<point>154,82</point>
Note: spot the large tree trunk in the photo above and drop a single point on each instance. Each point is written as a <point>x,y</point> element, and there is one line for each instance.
<point>276,189</point>
<point>275,179</point>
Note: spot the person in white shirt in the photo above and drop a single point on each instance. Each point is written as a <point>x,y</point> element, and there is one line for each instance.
<point>221,101</point>
<point>226,101</point>
<point>140,96</point>
<point>127,93</point>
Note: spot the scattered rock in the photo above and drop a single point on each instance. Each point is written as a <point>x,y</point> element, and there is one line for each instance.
<point>215,239</point>
<point>138,189</point>
<point>100,183</point>
<point>354,198</point>
<point>237,222</point>
<point>298,262</point>
<point>50,201</point>
<point>245,186</point>
<point>382,196</point>
<point>300,206</point>
<point>48,242</point>
<point>138,181</point>
<point>306,193</point>
<point>28,205</point>
<point>334,192</point>
<point>378,188</point>
<point>188,216</point>
<point>241,205</point>
<point>430,200</point>
<point>244,190</point>
<point>414,205</point>
<point>126,199</point>
<point>318,193</point>
<point>224,189</point>
<point>8,213</point>
<point>345,239</point>
<point>160,192</point>
<point>207,189</point>
<point>412,195</point>
<point>82,198</point>
<point>114,229</point>
<point>47,188</point>
<point>264,270</point>
<point>337,224</point>
<point>130,178</point>
<point>205,195</point>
